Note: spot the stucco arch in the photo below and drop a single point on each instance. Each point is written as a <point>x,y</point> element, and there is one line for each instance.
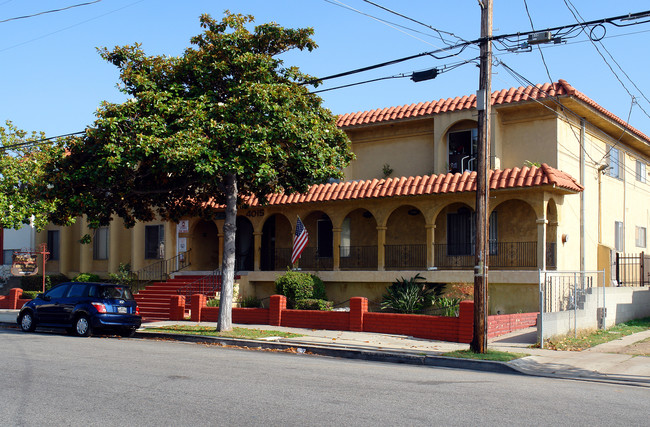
<point>205,245</point>
<point>441,219</point>
<point>516,221</point>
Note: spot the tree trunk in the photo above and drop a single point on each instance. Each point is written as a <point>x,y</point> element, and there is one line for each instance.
<point>228,268</point>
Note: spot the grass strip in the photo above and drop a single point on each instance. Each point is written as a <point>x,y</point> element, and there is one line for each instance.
<point>590,338</point>
<point>242,333</point>
<point>498,356</point>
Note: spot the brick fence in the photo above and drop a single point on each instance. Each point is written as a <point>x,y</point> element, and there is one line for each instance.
<point>13,300</point>
<point>359,319</point>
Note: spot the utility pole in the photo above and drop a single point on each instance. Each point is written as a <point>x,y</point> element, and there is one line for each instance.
<point>481,254</point>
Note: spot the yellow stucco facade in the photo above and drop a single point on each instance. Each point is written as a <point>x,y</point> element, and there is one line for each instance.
<point>359,246</point>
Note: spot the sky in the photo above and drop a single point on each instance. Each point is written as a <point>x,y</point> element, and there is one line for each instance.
<point>53,79</point>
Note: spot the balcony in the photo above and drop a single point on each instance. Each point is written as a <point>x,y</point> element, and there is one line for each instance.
<point>503,255</point>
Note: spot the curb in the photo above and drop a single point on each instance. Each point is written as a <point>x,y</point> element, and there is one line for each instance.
<point>386,356</point>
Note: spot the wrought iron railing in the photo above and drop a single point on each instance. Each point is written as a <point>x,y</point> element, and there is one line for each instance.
<point>502,255</point>
<point>358,257</point>
<point>311,259</point>
<point>160,270</point>
<point>207,285</point>
<point>405,256</point>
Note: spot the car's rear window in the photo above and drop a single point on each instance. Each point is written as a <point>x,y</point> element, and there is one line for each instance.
<point>115,292</point>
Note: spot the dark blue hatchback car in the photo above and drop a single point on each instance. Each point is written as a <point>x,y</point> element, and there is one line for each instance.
<point>81,307</point>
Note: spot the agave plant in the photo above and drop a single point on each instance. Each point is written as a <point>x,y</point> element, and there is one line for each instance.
<point>410,295</point>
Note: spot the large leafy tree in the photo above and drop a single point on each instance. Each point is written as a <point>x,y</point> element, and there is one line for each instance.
<point>223,121</point>
<point>22,158</point>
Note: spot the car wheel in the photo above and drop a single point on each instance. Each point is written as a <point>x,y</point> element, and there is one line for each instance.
<point>127,333</point>
<point>27,323</point>
<point>82,326</point>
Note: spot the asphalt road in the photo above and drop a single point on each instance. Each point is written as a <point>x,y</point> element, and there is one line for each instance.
<point>56,379</point>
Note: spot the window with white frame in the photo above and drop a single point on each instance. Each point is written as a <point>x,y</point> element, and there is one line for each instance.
<point>640,171</point>
<point>619,243</point>
<point>100,243</point>
<point>53,244</point>
<point>613,161</point>
<point>639,236</point>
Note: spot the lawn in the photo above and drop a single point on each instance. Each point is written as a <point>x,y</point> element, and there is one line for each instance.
<point>591,338</point>
<point>242,333</point>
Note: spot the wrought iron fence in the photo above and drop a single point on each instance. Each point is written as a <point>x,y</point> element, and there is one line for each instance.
<point>207,285</point>
<point>358,257</point>
<point>161,270</point>
<point>311,259</point>
<point>632,269</point>
<point>502,255</point>
<point>405,256</point>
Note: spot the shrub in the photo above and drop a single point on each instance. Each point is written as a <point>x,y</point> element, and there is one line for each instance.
<point>123,276</point>
<point>447,306</point>
<point>214,302</point>
<point>29,295</point>
<point>411,295</point>
<point>35,283</point>
<point>251,302</point>
<point>86,277</point>
<point>295,286</point>
<point>314,304</point>
<point>319,288</point>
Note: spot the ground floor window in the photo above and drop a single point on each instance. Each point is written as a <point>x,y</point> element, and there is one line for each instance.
<point>100,243</point>
<point>154,241</point>
<point>53,244</point>
<point>639,236</point>
<point>325,238</point>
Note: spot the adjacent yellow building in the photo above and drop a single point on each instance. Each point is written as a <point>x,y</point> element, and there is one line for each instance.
<point>568,187</point>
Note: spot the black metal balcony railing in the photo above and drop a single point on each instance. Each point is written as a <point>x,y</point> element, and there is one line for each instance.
<point>400,257</point>
<point>502,255</point>
<point>358,257</point>
<point>405,256</point>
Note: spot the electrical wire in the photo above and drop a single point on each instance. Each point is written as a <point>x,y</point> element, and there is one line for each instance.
<point>38,141</point>
<point>438,31</point>
<point>574,11</point>
<point>532,27</point>
<point>49,11</point>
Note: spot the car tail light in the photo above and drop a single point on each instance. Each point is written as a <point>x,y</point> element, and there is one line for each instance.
<point>101,308</point>
<point>137,310</point>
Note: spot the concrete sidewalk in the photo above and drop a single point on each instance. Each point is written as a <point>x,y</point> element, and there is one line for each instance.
<point>600,363</point>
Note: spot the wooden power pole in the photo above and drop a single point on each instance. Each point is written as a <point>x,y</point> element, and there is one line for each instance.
<point>483,105</point>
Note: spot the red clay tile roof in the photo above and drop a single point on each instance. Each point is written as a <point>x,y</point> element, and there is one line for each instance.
<point>504,96</point>
<point>427,184</point>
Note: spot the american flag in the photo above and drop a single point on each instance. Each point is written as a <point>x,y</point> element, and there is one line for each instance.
<point>300,240</point>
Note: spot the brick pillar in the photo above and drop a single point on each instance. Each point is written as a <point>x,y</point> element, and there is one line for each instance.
<point>277,305</point>
<point>358,308</point>
<point>466,321</point>
<point>197,303</point>
<point>177,307</point>
<point>14,296</point>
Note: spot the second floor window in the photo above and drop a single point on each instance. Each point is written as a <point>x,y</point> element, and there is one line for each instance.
<point>613,160</point>
<point>640,171</point>
<point>640,237</point>
<point>154,242</point>
<point>462,147</point>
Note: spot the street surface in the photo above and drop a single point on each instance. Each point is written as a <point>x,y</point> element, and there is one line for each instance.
<point>56,379</point>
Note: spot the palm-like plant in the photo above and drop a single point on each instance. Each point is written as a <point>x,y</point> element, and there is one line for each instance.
<point>410,295</point>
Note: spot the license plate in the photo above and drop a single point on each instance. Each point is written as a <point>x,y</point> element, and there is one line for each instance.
<point>121,309</point>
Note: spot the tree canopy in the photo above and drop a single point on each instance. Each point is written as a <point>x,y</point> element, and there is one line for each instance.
<point>21,169</point>
<point>224,120</point>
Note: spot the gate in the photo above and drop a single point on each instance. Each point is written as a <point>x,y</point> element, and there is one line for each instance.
<point>569,300</point>
<point>632,269</point>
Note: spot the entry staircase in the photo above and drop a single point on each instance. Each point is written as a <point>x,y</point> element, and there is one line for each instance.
<point>154,300</point>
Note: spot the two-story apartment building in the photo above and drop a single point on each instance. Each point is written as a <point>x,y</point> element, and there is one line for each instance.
<point>568,184</point>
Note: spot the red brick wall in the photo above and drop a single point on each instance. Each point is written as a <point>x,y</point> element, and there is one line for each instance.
<point>251,316</point>
<point>13,300</point>
<point>505,323</point>
<point>314,319</point>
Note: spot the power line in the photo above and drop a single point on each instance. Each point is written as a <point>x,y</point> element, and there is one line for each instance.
<point>38,141</point>
<point>440,32</point>
<point>575,11</point>
<point>532,27</point>
<point>49,11</point>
